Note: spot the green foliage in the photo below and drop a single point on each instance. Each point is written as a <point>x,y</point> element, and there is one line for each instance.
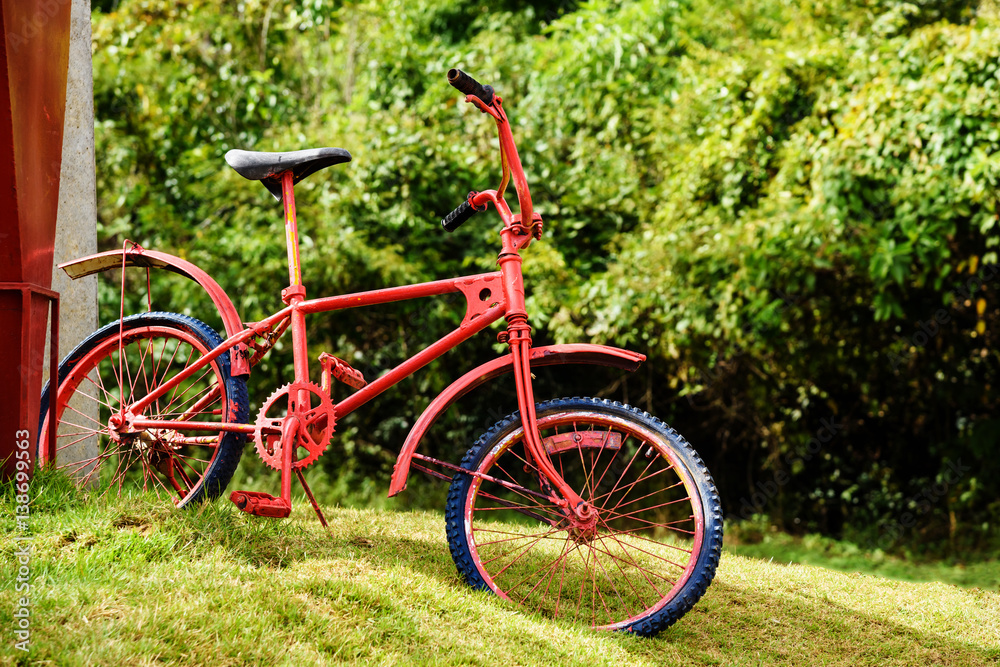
<point>790,206</point>
<point>810,260</point>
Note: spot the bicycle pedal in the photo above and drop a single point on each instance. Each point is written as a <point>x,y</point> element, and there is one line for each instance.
<point>259,503</point>
<point>341,370</point>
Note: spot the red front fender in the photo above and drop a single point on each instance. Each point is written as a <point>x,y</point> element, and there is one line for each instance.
<point>550,355</point>
<point>137,256</point>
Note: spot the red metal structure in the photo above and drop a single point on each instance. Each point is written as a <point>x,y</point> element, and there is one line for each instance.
<point>632,511</point>
<point>34,52</point>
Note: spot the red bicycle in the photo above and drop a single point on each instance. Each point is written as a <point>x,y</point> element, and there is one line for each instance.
<point>577,507</point>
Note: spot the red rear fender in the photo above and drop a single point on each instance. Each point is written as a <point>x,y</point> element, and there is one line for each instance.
<point>137,256</point>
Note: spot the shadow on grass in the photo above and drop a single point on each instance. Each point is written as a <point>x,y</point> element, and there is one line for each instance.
<point>732,624</point>
<point>380,586</point>
<point>405,563</point>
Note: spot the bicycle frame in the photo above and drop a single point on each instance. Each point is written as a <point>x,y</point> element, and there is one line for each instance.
<point>477,317</point>
<point>488,296</point>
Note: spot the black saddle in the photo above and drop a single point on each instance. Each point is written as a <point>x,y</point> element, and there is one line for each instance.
<point>268,167</point>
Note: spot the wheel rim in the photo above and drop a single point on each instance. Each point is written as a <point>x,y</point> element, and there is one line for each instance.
<point>102,458</point>
<point>649,527</point>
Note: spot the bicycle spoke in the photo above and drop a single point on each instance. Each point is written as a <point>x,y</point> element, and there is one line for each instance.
<point>648,553</point>
<point>522,460</point>
<point>550,572</point>
<point>653,493</point>
<point>187,363</point>
<point>97,400</point>
<point>169,364</point>
<point>77,441</point>
<point>614,588</point>
<point>191,385</point>
<point>519,557</point>
<point>646,521</point>
<point>210,398</point>
<point>520,493</point>
<point>650,523</point>
<point>187,480</point>
<point>583,582</point>
<point>643,572</point>
<point>621,476</point>
<point>669,525</point>
<point>119,475</point>
<point>628,488</point>
<point>128,371</point>
<point>642,477</point>
<point>596,590</point>
<point>159,358</point>
<point>626,557</point>
<point>142,365</point>
<point>63,422</point>
<point>83,463</point>
<point>628,580</point>
<point>534,505</point>
<point>516,536</point>
<point>611,461</point>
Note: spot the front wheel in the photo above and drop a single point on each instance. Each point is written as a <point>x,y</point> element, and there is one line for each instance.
<point>658,535</point>
<point>123,362</point>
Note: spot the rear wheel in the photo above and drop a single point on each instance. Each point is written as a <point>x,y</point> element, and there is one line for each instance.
<point>658,536</point>
<point>103,456</point>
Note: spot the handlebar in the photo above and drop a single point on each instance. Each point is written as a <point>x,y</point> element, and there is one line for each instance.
<point>488,102</point>
<point>460,215</point>
<point>466,84</point>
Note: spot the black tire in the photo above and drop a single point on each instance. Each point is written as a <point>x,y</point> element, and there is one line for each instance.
<point>154,345</point>
<point>640,569</point>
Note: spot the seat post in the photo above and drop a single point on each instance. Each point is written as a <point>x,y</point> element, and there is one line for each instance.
<point>291,229</point>
<point>293,295</point>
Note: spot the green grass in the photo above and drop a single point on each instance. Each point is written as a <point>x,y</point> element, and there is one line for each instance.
<point>136,582</point>
<point>978,570</point>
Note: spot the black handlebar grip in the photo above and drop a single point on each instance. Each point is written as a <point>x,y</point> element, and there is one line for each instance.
<point>457,218</point>
<point>466,84</point>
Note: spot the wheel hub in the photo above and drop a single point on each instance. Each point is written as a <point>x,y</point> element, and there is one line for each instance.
<point>121,430</point>
<point>583,535</point>
<point>582,525</point>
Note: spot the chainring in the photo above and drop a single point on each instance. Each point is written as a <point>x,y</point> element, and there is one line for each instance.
<point>284,404</point>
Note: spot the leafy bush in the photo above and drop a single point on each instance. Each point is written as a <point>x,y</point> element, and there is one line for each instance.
<point>790,207</point>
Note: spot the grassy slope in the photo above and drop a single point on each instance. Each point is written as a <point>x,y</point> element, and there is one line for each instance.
<point>135,583</point>
<point>980,570</point>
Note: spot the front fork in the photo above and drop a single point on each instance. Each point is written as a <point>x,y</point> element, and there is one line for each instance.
<point>518,338</point>
<point>573,506</point>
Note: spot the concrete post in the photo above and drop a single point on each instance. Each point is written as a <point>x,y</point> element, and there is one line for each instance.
<point>76,222</point>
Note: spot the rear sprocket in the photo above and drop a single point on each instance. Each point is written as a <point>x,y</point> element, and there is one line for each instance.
<point>311,408</point>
